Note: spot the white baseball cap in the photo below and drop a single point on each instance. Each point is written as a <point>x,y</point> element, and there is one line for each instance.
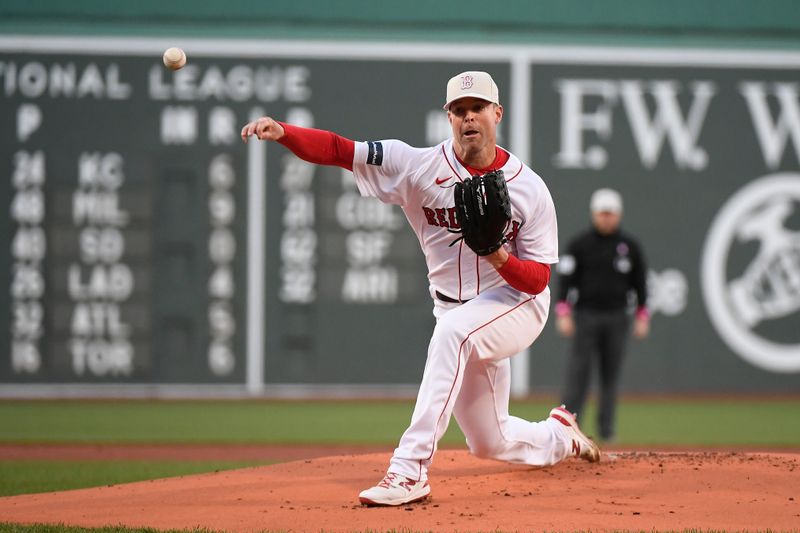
<point>606,200</point>
<point>472,83</point>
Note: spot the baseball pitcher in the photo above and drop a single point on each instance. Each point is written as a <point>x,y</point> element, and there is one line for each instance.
<point>487,226</point>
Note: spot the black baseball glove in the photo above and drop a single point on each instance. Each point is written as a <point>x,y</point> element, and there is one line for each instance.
<point>483,210</point>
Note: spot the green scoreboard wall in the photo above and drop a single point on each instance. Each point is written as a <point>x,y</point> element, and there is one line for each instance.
<point>147,246</point>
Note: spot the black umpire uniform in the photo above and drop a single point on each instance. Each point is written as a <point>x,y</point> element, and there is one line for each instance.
<point>602,269</point>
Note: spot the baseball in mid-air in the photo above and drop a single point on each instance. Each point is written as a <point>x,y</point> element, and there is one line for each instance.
<point>174,58</point>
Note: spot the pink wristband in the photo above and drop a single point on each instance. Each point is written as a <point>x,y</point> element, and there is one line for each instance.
<point>563,309</point>
<point>642,313</point>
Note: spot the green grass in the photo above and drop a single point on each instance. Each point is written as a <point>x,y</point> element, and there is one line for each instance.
<point>682,422</point>
<point>30,476</point>
<point>203,422</point>
<point>688,422</point>
<point>646,423</point>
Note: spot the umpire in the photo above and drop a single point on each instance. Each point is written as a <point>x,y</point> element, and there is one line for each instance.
<point>602,270</point>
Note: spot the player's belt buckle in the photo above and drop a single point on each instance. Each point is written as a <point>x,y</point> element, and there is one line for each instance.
<point>445,298</point>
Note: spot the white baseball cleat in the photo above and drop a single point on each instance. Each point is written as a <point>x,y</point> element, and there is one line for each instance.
<point>395,489</point>
<point>582,446</point>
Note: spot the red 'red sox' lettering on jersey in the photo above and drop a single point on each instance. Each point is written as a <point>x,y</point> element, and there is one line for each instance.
<point>511,236</point>
<point>445,217</point>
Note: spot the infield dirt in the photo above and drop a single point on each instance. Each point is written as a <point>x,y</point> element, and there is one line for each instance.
<point>628,490</point>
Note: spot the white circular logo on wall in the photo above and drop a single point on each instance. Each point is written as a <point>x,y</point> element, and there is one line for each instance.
<point>769,286</point>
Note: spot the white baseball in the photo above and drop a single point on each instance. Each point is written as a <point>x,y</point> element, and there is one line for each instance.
<point>174,58</point>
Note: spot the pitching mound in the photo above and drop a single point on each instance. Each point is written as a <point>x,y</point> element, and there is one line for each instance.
<point>629,490</point>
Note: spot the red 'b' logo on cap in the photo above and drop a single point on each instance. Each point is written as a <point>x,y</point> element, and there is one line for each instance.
<point>466,82</point>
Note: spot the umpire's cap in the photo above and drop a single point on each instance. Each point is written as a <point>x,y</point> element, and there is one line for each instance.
<point>606,200</point>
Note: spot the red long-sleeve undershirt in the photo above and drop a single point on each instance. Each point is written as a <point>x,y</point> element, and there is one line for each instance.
<point>318,146</point>
<point>525,275</point>
<point>327,148</point>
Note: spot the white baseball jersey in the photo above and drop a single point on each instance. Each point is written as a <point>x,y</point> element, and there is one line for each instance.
<point>467,371</point>
<point>421,181</point>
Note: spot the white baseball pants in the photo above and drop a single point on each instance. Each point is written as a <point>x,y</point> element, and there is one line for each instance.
<point>468,373</point>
